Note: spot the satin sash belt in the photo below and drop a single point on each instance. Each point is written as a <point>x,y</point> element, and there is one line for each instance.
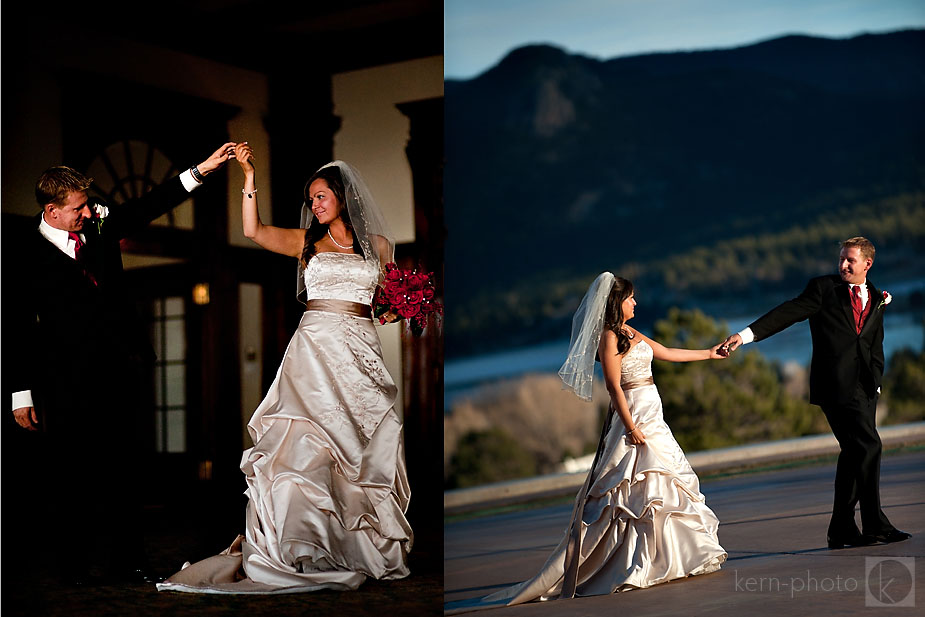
<point>340,306</point>
<point>638,383</point>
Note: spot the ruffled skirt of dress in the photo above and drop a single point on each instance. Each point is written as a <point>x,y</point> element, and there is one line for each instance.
<point>641,519</point>
<point>326,480</point>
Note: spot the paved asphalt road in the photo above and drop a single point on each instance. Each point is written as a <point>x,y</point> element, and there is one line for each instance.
<point>773,526</point>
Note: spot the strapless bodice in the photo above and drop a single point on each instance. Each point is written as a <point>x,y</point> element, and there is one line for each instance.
<point>637,364</point>
<point>341,276</point>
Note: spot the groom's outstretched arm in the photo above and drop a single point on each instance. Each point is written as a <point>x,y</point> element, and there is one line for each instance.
<point>128,218</point>
<point>790,312</point>
<point>781,317</point>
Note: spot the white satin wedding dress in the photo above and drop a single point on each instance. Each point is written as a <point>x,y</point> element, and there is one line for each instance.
<point>639,520</point>
<point>326,481</point>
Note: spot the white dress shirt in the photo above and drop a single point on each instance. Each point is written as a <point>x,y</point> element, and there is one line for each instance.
<point>62,240</point>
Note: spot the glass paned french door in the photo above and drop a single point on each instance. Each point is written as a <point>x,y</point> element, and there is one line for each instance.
<point>168,334</point>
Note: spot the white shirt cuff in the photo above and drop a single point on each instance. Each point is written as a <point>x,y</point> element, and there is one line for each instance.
<point>189,182</point>
<point>747,336</point>
<point>22,399</point>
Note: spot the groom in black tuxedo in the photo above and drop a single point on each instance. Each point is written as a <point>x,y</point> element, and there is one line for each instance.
<point>82,359</point>
<point>845,313</point>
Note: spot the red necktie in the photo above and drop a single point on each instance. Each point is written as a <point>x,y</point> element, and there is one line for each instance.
<point>78,244</point>
<point>78,249</point>
<point>856,306</point>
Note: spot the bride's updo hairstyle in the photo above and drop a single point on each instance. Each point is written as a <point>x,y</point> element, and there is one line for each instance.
<point>316,231</point>
<point>613,313</point>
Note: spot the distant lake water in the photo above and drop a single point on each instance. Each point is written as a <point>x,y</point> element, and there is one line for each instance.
<point>463,376</point>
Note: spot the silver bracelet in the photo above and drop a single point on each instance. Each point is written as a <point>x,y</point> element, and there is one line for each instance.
<point>250,194</point>
<point>197,175</point>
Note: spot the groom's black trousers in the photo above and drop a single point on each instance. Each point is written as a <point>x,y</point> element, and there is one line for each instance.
<point>857,476</point>
<point>94,464</point>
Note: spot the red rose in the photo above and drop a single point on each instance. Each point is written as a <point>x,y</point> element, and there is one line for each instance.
<point>391,266</point>
<point>409,310</point>
<point>397,297</point>
<point>393,275</point>
<point>428,293</point>
<point>415,282</point>
<point>415,297</point>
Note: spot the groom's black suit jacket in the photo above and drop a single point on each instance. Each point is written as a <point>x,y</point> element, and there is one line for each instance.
<point>74,340</point>
<point>842,358</point>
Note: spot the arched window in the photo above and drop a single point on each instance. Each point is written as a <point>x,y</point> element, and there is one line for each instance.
<point>128,169</point>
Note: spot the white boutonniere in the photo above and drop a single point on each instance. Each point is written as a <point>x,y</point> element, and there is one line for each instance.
<point>887,298</point>
<point>100,212</point>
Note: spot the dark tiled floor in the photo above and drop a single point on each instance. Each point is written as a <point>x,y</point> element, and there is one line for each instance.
<point>192,522</point>
<point>35,580</point>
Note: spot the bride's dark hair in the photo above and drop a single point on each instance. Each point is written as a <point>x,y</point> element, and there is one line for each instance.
<point>331,175</point>
<point>613,312</point>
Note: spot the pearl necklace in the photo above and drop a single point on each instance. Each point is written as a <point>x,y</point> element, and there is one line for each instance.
<point>346,248</point>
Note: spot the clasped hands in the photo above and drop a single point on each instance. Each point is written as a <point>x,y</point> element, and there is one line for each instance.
<point>725,349</point>
<point>218,158</point>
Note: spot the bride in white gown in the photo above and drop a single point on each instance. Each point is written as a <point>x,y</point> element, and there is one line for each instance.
<point>326,481</point>
<point>640,518</point>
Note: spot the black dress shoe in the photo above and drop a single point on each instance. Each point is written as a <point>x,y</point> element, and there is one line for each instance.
<point>892,536</point>
<point>852,540</point>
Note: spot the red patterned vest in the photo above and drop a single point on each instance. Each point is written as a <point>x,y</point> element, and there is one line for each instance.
<point>861,316</point>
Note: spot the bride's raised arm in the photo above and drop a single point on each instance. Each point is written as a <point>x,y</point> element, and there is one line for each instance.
<point>277,239</point>
<point>673,354</point>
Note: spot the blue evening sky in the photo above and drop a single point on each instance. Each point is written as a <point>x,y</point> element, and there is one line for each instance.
<point>478,33</point>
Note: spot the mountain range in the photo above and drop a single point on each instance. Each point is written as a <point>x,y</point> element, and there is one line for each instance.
<point>559,165</point>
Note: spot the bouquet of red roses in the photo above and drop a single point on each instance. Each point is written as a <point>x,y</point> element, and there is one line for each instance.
<point>406,294</point>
